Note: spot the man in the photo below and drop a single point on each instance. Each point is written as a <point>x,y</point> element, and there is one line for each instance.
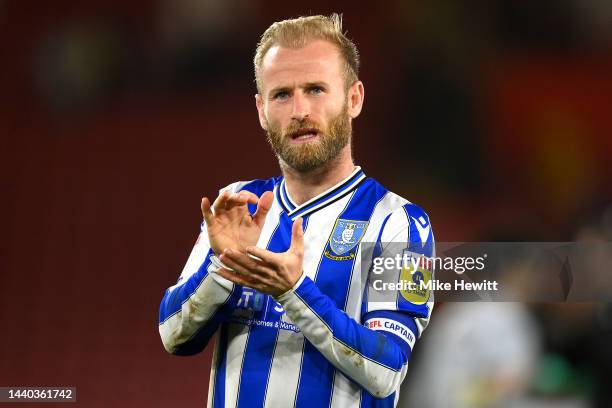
<point>278,272</point>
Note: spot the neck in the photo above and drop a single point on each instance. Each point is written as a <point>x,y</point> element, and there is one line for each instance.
<point>302,186</point>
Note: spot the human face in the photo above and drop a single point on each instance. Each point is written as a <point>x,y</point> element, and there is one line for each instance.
<point>304,105</point>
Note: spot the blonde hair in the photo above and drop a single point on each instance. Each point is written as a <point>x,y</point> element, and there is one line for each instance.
<point>297,32</point>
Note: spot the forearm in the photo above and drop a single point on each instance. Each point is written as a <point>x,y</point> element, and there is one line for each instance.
<point>370,358</point>
<point>191,312</point>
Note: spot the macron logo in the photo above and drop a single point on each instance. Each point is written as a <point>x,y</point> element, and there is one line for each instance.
<point>423,227</point>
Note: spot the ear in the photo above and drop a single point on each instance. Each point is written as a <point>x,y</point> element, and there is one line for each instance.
<point>259,103</point>
<point>355,96</point>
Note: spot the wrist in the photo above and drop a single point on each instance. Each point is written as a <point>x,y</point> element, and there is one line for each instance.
<point>287,293</point>
<point>216,262</point>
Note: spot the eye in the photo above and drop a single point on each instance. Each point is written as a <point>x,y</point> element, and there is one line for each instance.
<point>315,90</point>
<point>281,95</point>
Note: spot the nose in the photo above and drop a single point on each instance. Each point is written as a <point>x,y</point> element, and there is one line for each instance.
<point>301,106</point>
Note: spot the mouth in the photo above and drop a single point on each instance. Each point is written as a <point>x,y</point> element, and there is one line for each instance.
<point>304,135</point>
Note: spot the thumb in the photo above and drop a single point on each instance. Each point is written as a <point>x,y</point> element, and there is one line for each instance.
<point>297,238</point>
<point>263,206</point>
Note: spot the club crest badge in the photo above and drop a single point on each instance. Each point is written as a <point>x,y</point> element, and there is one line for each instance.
<point>346,235</point>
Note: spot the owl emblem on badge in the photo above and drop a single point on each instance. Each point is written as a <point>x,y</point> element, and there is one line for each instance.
<point>348,232</point>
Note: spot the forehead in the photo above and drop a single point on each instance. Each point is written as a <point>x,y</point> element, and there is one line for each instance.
<point>318,60</point>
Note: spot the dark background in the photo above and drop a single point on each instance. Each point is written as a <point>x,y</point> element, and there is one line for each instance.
<point>116,117</point>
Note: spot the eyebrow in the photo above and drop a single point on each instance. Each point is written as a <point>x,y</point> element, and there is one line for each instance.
<point>278,89</point>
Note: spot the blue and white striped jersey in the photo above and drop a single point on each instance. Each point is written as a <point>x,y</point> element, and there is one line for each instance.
<point>330,341</point>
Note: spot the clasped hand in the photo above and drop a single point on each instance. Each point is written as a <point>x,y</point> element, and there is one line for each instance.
<point>233,234</point>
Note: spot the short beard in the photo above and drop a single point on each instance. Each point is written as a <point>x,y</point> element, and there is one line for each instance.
<point>309,156</point>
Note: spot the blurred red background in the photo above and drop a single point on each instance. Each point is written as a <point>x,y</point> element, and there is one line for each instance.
<point>117,117</point>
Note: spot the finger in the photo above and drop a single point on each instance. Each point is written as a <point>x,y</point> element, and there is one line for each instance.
<point>262,287</point>
<point>266,256</point>
<point>234,277</point>
<point>297,238</point>
<point>258,276</point>
<point>238,267</point>
<point>206,211</point>
<point>251,198</point>
<point>241,198</point>
<point>264,205</point>
<point>219,203</point>
<point>233,200</point>
<point>256,267</point>
<point>244,264</point>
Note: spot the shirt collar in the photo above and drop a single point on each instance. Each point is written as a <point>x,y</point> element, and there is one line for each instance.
<point>322,200</point>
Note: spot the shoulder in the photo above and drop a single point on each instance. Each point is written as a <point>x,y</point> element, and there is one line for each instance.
<point>256,186</point>
<point>403,219</point>
<point>395,205</point>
